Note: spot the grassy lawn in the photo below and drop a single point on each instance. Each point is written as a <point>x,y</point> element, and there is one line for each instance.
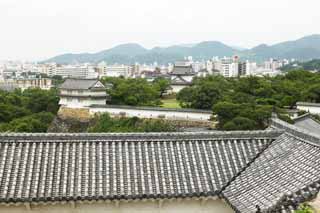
<point>170,103</point>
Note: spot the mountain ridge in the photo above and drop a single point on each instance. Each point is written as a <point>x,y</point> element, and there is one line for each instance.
<point>305,48</point>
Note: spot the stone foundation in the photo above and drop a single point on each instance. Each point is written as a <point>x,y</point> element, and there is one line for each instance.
<point>80,114</point>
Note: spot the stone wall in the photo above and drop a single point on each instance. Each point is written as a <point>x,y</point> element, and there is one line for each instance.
<point>74,120</point>
<point>80,114</point>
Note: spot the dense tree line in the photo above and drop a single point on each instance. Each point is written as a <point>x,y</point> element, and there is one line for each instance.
<point>31,110</point>
<point>136,92</point>
<point>247,103</point>
<point>104,123</point>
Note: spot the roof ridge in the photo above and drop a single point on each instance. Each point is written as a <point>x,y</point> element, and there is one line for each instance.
<point>306,115</point>
<point>96,80</point>
<point>308,104</point>
<point>243,170</point>
<point>222,134</point>
<point>307,136</point>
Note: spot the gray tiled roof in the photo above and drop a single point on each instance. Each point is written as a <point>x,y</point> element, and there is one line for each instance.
<point>287,166</point>
<point>180,81</point>
<point>308,123</point>
<point>81,84</point>
<point>49,167</point>
<point>274,169</point>
<point>308,104</point>
<point>183,70</point>
<point>284,175</point>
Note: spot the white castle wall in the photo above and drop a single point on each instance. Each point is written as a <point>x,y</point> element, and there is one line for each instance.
<point>144,113</point>
<point>311,109</point>
<point>176,206</point>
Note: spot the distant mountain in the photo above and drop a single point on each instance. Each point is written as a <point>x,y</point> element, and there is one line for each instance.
<point>239,48</point>
<point>305,48</point>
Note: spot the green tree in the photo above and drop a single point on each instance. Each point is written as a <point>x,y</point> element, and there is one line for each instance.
<point>162,85</point>
<point>225,112</point>
<point>313,93</point>
<point>134,92</point>
<point>104,123</point>
<point>204,93</point>
<point>240,123</point>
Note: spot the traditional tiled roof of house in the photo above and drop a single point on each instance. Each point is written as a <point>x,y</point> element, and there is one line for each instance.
<point>79,84</point>
<point>286,174</point>
<point>178,80</point>
<point>268,171</point>
<point>308,104</point>
<point>183,70</point>
<point>308,123</point>
<point>57,167</point>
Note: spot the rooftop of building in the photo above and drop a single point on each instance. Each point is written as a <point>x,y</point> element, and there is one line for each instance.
<point>308,104</point>
<point>80,84</point>
<point>269,170</point>
<point>308,123</point>
<point>183,70</point>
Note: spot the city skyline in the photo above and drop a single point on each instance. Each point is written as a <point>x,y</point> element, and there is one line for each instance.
<point>36,30</point>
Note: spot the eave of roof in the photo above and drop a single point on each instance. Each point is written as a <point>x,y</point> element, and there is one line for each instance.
<point>78,84</point>
<point>308,104</point>
<point>291,146</point>
<point>161,152</point>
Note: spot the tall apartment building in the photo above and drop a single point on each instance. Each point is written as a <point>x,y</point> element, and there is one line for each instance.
<point>72,71</point>
<point>114,70</point>
<point>272,64</point>
<point>229,67</point>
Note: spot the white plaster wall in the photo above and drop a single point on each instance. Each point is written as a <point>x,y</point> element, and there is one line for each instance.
<point>311,109</point>
<point>177,88</point>
<point>74,103</point>
<point>185,206</point>
<point>194,116</point>
<point>83,92</point>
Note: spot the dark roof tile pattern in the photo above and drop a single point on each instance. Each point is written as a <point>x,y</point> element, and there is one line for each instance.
<point>183,70</point>
<point>38,167</point>
<point>288,165</point>
<point>78,84</point>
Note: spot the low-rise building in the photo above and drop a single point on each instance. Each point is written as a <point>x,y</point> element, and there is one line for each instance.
<point>27,83</point>
<point>78,93</point>
<point>74,71</point>
<point>181,76</point>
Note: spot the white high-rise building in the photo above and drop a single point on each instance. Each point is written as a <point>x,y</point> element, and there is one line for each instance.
<point>229,67</point>
<point>74,71</point>
<point>115,70</point>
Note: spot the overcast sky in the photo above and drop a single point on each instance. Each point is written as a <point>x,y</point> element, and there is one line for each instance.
<point>38,29</point>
